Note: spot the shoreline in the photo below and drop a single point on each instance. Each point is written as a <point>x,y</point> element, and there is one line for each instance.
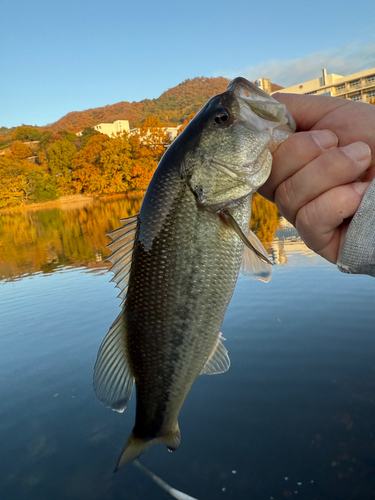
<point>66,201</point>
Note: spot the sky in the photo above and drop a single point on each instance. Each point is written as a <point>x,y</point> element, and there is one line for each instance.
<point>58,57</point>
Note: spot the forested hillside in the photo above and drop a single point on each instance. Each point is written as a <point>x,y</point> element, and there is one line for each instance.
<point>45,163</point>
<point>172,107</point>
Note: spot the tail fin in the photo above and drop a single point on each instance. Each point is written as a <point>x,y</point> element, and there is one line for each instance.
<point>136,446</point>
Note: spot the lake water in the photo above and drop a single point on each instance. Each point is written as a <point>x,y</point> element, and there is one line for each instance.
<point>292,418</point>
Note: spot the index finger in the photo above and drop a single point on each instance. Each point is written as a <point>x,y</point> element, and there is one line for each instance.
<point>351,121</point>
<point>307,110</point>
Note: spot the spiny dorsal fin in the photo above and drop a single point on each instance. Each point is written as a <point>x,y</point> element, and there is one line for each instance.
<point>219,361</point>
<point>251,265</point>
<point>122,252</point>
<point>113,380</point>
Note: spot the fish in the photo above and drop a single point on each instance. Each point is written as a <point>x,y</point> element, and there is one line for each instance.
<point>357,255</point>
<point>176,263</point>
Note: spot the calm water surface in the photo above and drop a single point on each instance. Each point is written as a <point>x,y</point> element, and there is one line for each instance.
<point>292,418</point>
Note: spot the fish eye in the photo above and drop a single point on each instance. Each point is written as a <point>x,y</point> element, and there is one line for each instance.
<point>221,116</point>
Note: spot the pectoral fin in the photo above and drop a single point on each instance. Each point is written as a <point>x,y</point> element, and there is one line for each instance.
<point>252,266</point>
<point>219,361</point>
<point>229,219</point>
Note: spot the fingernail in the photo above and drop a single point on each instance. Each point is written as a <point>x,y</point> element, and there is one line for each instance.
<point>361,187</point>
<point>325,139</point>
<point>357,151</point>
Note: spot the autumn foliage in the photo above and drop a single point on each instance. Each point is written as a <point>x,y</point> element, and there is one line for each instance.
<point>172,107</point>
<point>92,164</point>
<point>38,164</point>
<point>20,150</point>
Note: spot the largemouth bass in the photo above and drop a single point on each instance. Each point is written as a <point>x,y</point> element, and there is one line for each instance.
<point>358,252</point>
<point>177,262</point>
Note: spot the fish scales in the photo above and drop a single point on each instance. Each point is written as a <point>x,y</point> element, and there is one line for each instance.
<point>176,327</point>
<point>177,262</point>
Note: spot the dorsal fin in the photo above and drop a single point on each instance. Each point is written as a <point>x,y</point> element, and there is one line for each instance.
<point>122,252</point>
<point>219,361</point>
<point>113,380</point>
<point>251,265</point>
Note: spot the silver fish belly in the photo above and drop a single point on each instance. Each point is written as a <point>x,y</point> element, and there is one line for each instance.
<point>177,262</point>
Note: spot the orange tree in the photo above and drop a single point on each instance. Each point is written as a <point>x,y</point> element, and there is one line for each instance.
<point>153,138</point>
<point>59,157</point>
<point>22,182</point>
<point>20,150</point>
<point>86,169</point>
<point>116,164</point>
<point>148,146</point>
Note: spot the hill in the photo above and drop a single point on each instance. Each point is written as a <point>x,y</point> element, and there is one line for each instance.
<point>172,107</point>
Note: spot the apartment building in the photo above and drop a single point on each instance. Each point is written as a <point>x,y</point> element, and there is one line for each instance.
<point>114,128</point>
<point>357,87</point>
<point>111,129</point>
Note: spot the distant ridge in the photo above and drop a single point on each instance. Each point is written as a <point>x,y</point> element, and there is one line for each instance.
<point>173,107</point>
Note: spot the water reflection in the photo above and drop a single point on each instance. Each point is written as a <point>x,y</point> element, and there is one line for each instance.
<point>73,235</point>
<point>295,413</point>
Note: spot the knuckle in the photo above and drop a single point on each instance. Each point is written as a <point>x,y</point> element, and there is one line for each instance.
<point>285,200</point>
<point>306,218</point>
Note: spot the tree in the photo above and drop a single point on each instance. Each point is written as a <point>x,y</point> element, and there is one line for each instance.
<point>86,171</point>
<point>143,164</point>
<point>86,135</point>
<point>25,133</point>
<point>104,165</point>
<point>48,138</point>
<point>265,219</point>
<point>20,150</point>
<point>22,181</point>
<point>60,156</point>
<point>153,138</point>
<point>116,164</point>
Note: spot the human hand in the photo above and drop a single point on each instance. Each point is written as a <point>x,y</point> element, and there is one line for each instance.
<point>320,174</point>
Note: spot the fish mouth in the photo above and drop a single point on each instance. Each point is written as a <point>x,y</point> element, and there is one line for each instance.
<point>258,102</point>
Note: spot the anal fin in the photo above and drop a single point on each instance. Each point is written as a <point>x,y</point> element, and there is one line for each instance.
<point>219,361</point>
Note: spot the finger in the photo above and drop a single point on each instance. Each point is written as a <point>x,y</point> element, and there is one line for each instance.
<point>307,110</point>
<point>351,121</point>
<point>333,168</point>
<point>319,223</point>
<point>297,151</point>
<point>369,175</point>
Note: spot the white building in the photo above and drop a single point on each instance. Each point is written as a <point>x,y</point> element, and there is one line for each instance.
<point>356,87</point>
<point>111,129</point>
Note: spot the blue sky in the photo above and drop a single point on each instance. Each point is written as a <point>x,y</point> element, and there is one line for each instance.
<point>58,57</point>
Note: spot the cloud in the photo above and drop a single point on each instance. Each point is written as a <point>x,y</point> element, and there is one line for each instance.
<point>343,61</point>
